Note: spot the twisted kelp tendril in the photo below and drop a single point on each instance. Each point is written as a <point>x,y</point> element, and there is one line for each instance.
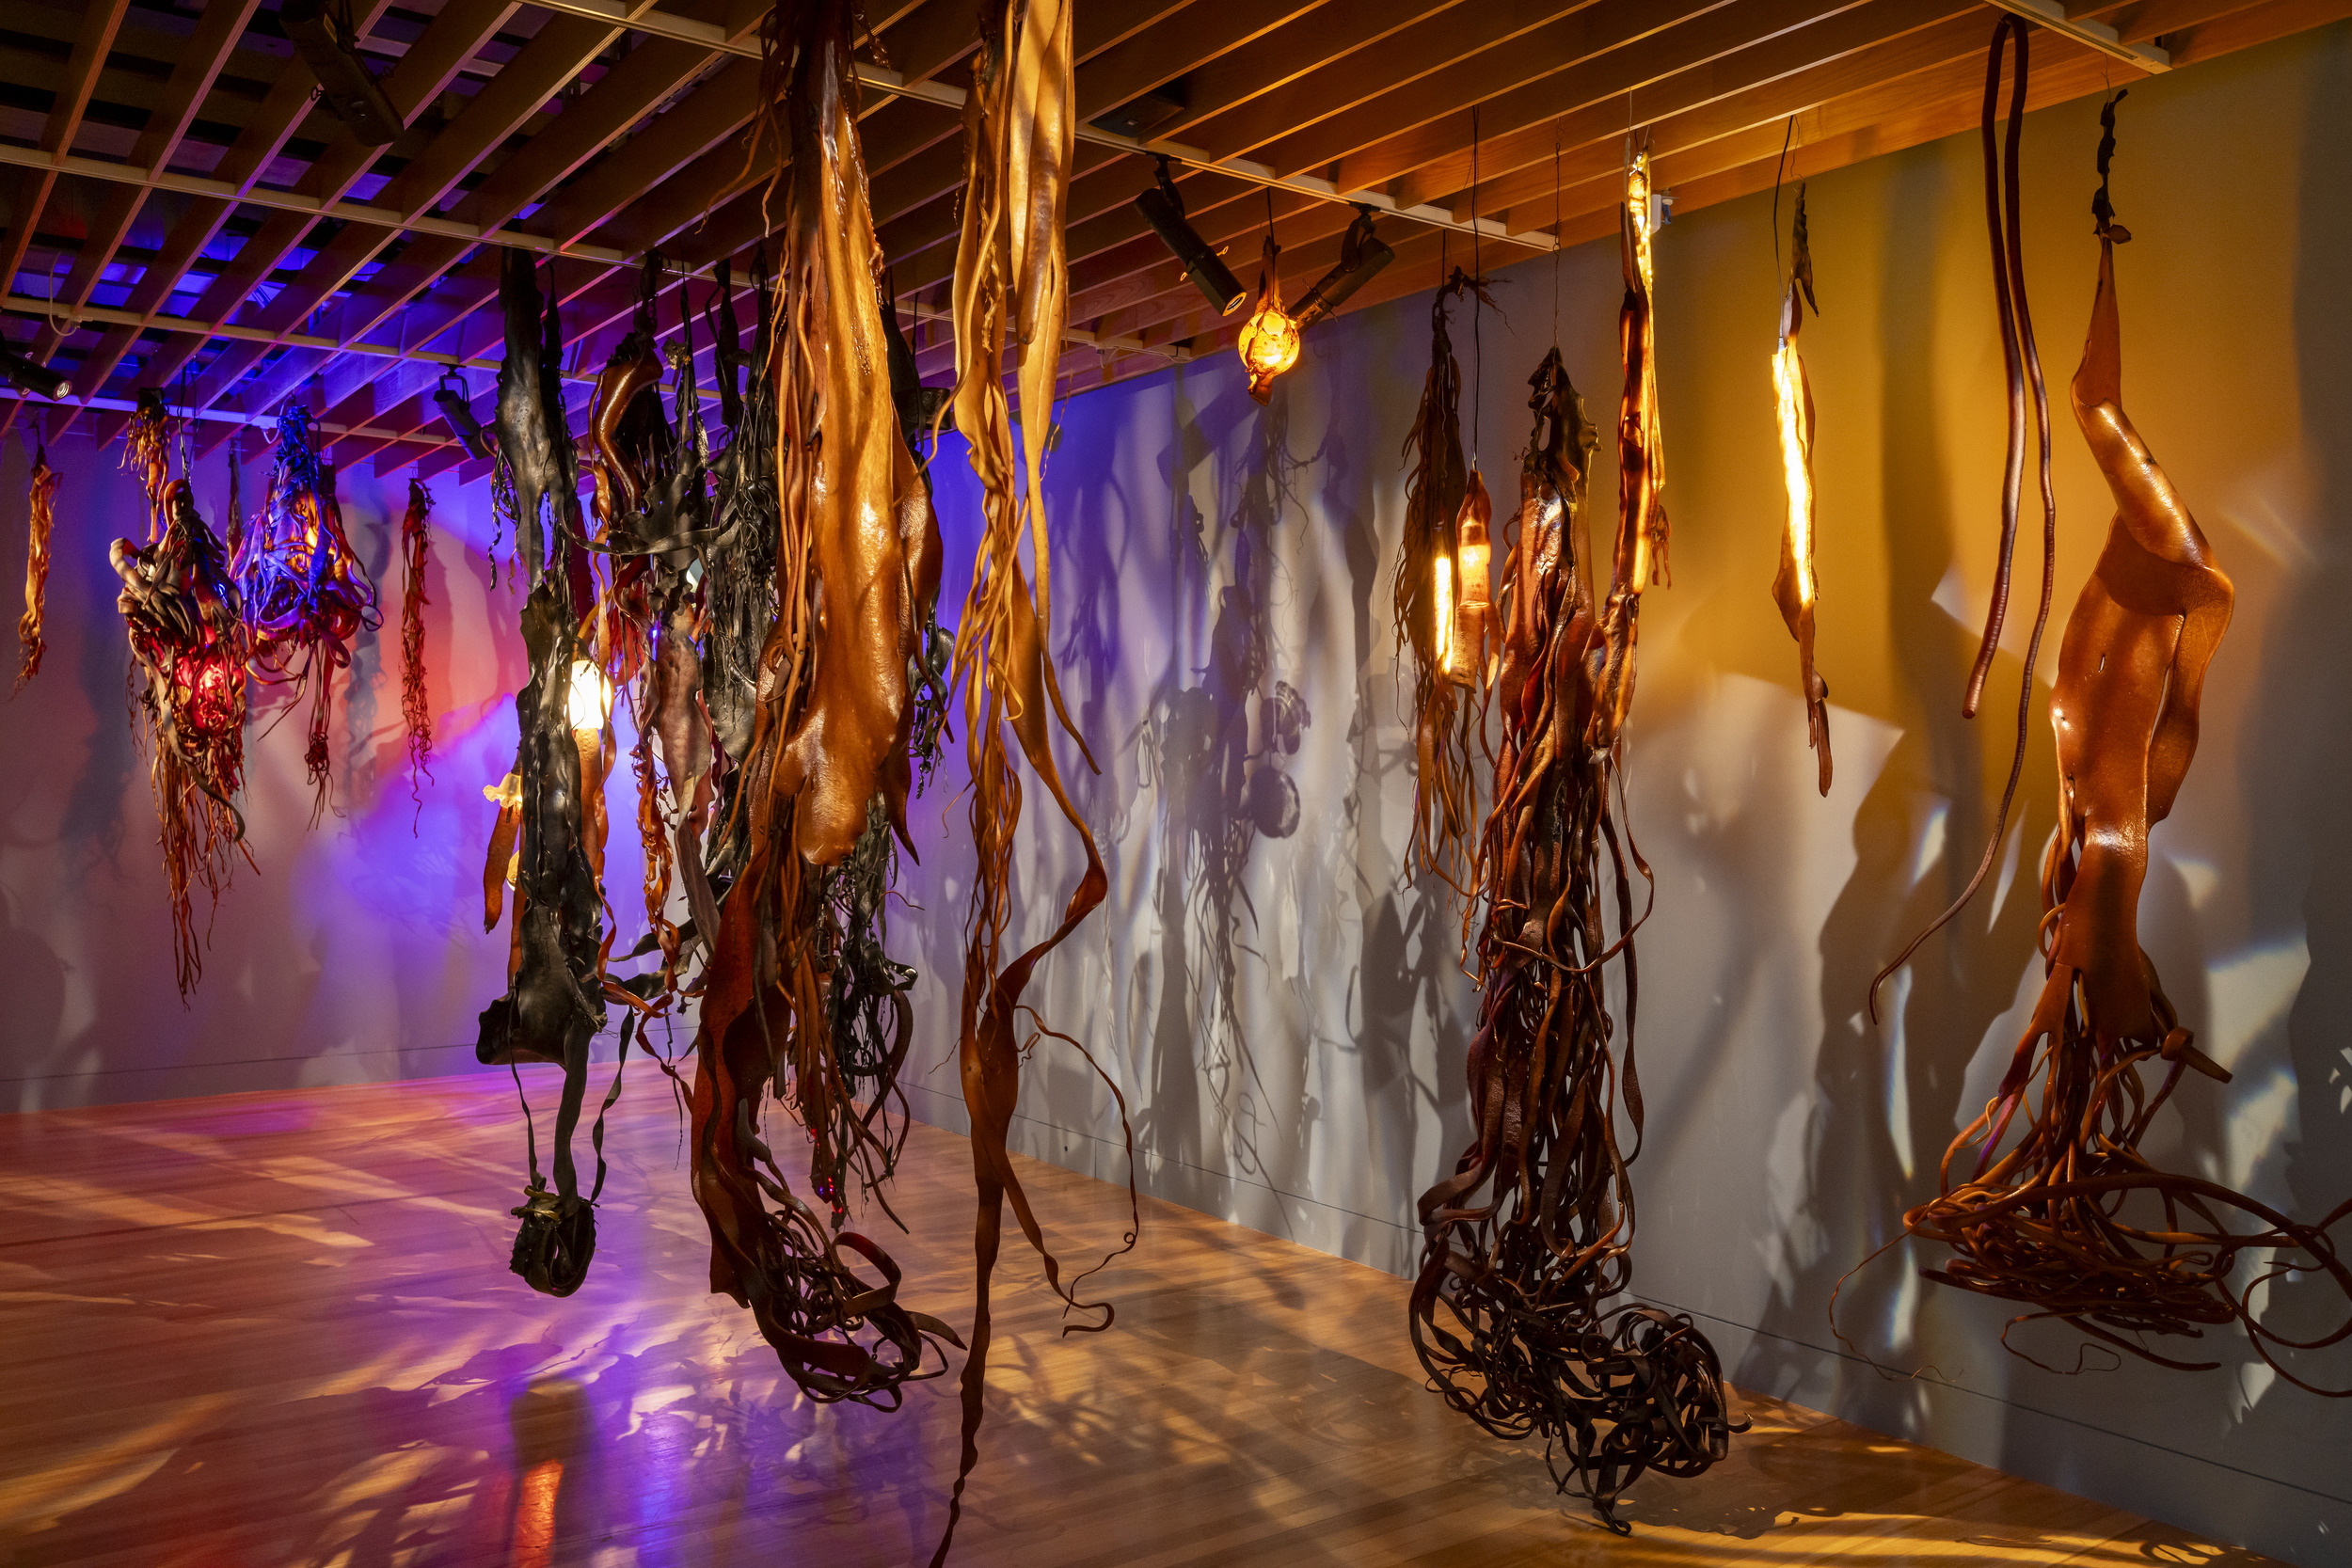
<point>1508,1314</point>
<point>2072,1221</point>
<point>41,507</point>
<point>1012,280</point>
<point>416,711</point>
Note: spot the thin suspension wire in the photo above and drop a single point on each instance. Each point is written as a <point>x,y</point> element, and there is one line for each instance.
<point>1556,246</point>
<point>1478,349</point>
<point>1778,169</point>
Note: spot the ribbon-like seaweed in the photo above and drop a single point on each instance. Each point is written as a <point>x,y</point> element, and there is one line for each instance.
<point>179,606</point>
<point>824,775</point>
<point>2072,1221</point>
<point>42,503</point>
<point>1510,1312</point>
<point>1793,585</point>
<point>1011,280</point>
<point>416,710</point>
<point>550,817</point>
<point>306,593</point>
<point>1435,495</point>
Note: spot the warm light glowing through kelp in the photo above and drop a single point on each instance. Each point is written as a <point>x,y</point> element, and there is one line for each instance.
<point>1788,391</point>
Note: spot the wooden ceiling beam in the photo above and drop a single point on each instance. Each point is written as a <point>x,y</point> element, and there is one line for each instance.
<point>204,53</point>
<point>1599,49</point>
<point>1723,52</point>
<point>1588,155</point>
<point>454,36</point>
<point>1184,44</point>
<point>101,18</point>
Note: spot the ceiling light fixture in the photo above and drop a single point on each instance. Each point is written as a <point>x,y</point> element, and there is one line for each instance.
<point>1362,254</point>
<point>27,376</point>
<point>1163,207</point>
<point>346,86</point>
<point>451,397</point>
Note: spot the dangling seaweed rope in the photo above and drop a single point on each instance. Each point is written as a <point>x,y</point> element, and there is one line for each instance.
<point>41,510</point>
<point>824,771</point>
<point>1012,280</point>
<point>2072,1221</point>
<point>1509,1314</point>
<point>2021,360</point>
<point>1793,584</point>
<point>416,710</point>
<point>188,647</point>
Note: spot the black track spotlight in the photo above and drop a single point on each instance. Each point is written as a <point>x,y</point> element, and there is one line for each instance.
<point>346,84</point>
<point>39,380</point>
<point>1164,209</point>
<point>451,396</point>
<point>1361,254</point>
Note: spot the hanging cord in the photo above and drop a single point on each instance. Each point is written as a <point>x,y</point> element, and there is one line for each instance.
<point>1779,170</point>
<point>1556,246</point>
<point>1478,348</point>
<point>2024,364</point>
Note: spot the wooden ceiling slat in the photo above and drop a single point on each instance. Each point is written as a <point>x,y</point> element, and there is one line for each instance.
<point>1321,44</point>
<point>1161,55</point>
<point>1599,45</point>
<point>454,36</point>
<point>646,77</point>
<point>99,20</point>
<point>206,50</point>
<point>1744,45</point>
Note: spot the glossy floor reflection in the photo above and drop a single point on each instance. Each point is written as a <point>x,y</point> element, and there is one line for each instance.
<point>280,1329</point>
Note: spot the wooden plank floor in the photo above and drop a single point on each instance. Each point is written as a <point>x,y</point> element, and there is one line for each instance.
<point>279,1329</point>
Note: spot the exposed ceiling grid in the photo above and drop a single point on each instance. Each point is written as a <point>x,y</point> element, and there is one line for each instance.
<point>178,213</point>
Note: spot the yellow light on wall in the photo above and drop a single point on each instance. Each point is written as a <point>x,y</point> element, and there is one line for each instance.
<point>1788,393</point>
<point>1269,338</point>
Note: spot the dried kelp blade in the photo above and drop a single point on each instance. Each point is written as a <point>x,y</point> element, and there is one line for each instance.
<point>41,511</point>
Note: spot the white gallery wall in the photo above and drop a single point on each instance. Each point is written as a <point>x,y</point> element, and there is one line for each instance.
<point>1282,1007</point>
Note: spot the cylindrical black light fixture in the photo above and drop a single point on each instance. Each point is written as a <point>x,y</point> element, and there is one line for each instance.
<point>1164,209</point>
<point>1362,253</point>
<point>39,380</point>
<point>451,396</point>
<point>347,87</point>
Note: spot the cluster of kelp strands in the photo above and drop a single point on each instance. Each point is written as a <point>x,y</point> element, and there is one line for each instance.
<point>763,595</point>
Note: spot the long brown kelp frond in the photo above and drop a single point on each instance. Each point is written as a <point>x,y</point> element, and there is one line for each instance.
<point>1011,283</point>
<point>1529,1238</point>
<point>1793,585</point>
<point>823,774</point>
<point>41,505</point>
<point>1423,591</point>
<point>2072,1221</point>
<point>179,606</point>
<point>416,710</point>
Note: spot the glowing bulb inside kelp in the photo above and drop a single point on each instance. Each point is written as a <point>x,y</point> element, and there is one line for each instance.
<point>1269,345</point>
<point>1788,391</point>
<point>1441,596</point>
<point>591,697</point>
<point>1637,204</point>
<point>1470,619</point>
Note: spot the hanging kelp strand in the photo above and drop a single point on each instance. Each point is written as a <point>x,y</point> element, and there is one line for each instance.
<point>41,508</point>
<point>2072,1221</point>
<point>1011,283</point>
<point>824,769</point>
<point>1529,1238</point>
<point>1794,586</point>
<point>1427,596</point>
<point>179,606</point>
<point>554,1001</point>
<point>306,595</point>
<point>416,711</point>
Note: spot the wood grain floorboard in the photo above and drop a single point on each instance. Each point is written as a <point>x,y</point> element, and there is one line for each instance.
<point>279,1329</point>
